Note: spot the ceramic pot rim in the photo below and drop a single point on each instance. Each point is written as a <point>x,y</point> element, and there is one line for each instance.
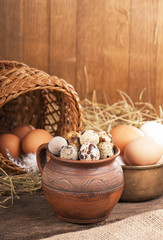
<point>106,160</point>
<point>157,165</point>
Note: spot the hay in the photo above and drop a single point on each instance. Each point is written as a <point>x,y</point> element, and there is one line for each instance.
<point>12,185</point>
<point>100,117</point>
<point>95,116</point>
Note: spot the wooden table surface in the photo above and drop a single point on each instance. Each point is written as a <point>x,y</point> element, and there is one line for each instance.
<point>31,217</point>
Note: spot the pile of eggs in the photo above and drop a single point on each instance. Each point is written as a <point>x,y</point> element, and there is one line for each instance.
<point>23,139</point>
<point>89,145</point>
<point>142,146</point>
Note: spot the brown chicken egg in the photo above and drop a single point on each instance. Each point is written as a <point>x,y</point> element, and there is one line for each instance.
<point>123,134</point>
<point>142,151</point>
<point>12,143</point>
<point>34,139</point>
<point>22,130</point>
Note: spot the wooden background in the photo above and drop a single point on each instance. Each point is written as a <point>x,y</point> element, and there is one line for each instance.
<point>118,42</point>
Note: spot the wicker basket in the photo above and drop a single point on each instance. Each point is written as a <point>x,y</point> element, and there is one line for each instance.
<point>31,96</point>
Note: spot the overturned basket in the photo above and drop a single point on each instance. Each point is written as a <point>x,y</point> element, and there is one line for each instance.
<point>31,96</point>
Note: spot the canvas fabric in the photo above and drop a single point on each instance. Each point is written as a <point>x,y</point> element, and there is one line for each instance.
<point>146,226</point>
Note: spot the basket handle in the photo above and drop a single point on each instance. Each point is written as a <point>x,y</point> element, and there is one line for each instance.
<point>41,156</point>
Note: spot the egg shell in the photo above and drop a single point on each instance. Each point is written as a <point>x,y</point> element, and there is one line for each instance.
<point>56,144</point>
<point>89,136</point>
<point>123,134</point>
<point>160,161</point>
<point>106,149</point>
<point>126,161</point>
<point>22,130</point>
<point>154,130</point>
<point>142,151</point>
<point>73,138</point>
<point>105,137</point>
<point>11,142</point>
<point>89,151</point>
<point>69,152</point>
<point>34,139</point>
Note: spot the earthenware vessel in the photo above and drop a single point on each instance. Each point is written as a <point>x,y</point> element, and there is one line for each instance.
<point>142,182</point>
<point>80,191</point>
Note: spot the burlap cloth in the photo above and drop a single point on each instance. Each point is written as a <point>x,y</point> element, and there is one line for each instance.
<point>146,226</point>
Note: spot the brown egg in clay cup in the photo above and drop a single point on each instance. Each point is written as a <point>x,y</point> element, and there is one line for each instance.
<point>22,130</point>
<point>142,151</point>
<point>142,172</point>
<point>123,134</point>
<point>12,143</point>
<point>34,139</point>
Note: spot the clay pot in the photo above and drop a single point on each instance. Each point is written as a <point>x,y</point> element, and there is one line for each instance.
<point>80,191</point>
<point>142,183</point>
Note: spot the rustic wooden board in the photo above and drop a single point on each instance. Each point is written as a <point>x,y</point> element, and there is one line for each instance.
<point>119,42</point>
<point>62,40</point>
<point>159,56</point>
<point>35,33</point>
<point>31,218</point>
<point>90,34</point>
<point>142,49</point>
<point>10,30</point>
<point>116,48</point>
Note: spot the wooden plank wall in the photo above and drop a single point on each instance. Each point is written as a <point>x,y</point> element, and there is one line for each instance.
<point>119,44</point>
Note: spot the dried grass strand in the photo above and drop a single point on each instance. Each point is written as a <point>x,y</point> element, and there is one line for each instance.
<point>103,117</point>
<point>12,190</point>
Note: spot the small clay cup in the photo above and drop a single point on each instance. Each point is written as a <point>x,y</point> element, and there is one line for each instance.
<point>142,183</point>
<point>80,191</point>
